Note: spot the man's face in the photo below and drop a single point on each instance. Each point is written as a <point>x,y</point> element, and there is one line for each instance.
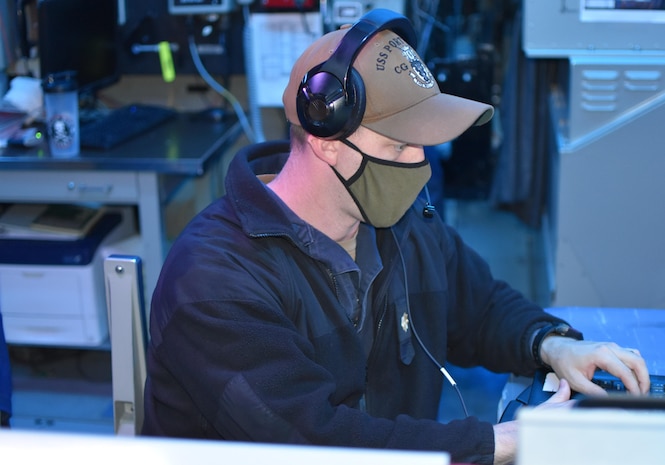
<point>382,176</point>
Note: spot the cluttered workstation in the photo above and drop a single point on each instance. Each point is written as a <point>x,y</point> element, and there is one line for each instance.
<point>121,126</point>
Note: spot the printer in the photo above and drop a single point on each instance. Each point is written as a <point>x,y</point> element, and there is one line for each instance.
<point>52,291</point>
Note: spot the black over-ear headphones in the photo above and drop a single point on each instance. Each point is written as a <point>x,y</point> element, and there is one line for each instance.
<point>331,97</point>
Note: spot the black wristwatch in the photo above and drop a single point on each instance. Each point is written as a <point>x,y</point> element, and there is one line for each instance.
<point>558,329</point>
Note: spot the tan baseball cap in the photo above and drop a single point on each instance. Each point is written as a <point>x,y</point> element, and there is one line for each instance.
<point>403,100</point>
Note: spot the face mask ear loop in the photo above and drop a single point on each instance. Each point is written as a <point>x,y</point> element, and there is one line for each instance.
<point>347,182</point>
<point>350,144</point>
<point>356,175</point>
<point>353,197</point>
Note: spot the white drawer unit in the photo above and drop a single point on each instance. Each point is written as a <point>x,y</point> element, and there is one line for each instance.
<point>72,186</point>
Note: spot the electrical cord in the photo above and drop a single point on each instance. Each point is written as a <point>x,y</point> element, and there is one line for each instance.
<point>220,89</point>
<point>440,367</point>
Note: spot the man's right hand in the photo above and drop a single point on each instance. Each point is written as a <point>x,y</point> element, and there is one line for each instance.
<point>560,399</point>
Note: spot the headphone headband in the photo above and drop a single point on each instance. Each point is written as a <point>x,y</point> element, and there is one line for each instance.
<point>353,41</point>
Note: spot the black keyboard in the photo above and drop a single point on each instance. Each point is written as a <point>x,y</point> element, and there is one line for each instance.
<point>612,384</point>
<point>123,124</point>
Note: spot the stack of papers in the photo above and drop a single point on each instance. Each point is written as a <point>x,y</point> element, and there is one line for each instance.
<point>47,221</point>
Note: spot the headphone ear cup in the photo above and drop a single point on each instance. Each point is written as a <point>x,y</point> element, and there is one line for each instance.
<point>326,108</point>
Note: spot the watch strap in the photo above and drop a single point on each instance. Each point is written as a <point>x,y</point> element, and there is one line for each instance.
<point>558,329</point>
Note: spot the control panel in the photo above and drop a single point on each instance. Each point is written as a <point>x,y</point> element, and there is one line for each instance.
<point>191,7</point>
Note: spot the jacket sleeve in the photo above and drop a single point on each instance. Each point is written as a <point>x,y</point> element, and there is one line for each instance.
<point>492,323</point>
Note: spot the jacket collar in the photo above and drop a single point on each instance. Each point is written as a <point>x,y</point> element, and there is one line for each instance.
<point>261,213</point>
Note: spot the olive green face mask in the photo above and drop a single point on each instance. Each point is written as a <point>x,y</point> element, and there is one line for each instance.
<point>384,190</point>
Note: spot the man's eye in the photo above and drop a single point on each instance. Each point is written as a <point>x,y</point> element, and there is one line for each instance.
<point>401,147</point>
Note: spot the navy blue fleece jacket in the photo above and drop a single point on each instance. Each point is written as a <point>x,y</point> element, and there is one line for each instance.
<point>252,339</point>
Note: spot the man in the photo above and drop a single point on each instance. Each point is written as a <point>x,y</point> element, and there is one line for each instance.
<point>317,306</point>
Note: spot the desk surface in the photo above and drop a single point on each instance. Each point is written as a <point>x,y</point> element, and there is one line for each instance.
<point>642,329</point>
<point>184,145</point>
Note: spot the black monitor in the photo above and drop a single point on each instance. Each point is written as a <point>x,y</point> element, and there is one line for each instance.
<point>80,35</point>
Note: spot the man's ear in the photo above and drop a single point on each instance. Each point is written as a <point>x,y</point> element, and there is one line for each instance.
<point>325,150</point>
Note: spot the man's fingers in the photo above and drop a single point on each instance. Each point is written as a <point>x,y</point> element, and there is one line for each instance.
<point>629,366</point>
